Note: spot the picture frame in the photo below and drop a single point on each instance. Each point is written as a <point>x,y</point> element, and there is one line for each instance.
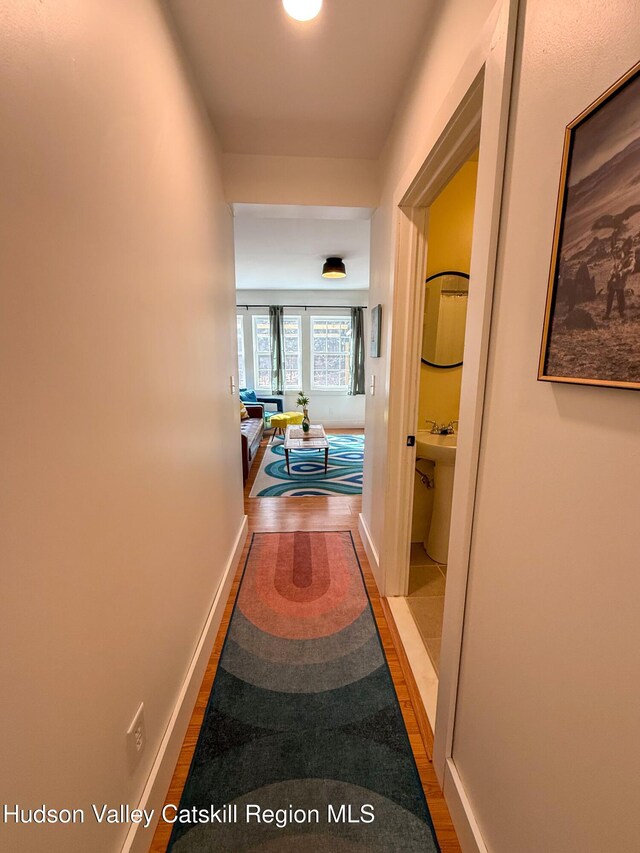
<point>376,327</point>
<point>595,260</point>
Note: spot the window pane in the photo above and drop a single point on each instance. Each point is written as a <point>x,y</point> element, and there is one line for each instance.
<point>262,352</point>
<point>242,374</point>
<point>292,350</point>
<point>331,345</point>
<point>292,327</point>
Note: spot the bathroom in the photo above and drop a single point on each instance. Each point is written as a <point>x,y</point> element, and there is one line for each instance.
<point>449,242</point>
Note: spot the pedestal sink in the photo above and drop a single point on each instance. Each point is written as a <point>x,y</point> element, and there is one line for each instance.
<point>441,450</point>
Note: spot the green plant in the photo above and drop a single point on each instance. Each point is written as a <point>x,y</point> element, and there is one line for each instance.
<point>302,400</point>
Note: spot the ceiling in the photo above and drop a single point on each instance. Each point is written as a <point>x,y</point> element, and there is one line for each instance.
<point>325,88</point>
<point>283,247</point>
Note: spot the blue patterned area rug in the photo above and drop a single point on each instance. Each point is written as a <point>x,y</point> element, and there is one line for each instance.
<point>303,746</point>
<point>343,477</point>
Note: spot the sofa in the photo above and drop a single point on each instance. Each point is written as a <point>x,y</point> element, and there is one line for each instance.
<point>248,395</point>
<point>251,430</point>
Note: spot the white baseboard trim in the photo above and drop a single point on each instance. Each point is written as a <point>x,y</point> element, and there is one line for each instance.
<point>369,547</point>
<point>138,839</point>
<point>423,672</point>
<point>332,424</point>
<point>464,821</point>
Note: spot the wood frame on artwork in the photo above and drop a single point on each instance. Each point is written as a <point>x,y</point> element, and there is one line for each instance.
<point>554,272</point>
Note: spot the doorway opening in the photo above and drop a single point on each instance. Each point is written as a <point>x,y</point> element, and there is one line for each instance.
<point>448,263</point>
<point>301,350</point>
<point>472,129</point>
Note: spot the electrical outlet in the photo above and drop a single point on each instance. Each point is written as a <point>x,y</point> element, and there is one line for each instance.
<point>136,736</point>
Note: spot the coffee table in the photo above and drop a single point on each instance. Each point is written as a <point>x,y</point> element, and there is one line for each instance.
<point>316,439</point>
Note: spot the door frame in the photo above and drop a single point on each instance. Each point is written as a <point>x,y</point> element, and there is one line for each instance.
<point>475,112</point>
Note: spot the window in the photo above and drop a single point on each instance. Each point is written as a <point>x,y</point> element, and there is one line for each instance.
<point>262,353</point>
<point>330,353</point>
<point>291,328</point>
<point>242,371</point>
<point>292,354</point>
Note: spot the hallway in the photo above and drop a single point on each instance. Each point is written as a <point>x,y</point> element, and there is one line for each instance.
<point>179,182</point>
<point>318,513</point>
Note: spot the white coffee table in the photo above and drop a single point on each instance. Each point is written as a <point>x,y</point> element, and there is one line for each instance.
<point>315,439</point>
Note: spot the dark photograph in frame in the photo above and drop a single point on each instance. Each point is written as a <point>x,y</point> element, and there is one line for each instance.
<point>591,332</point>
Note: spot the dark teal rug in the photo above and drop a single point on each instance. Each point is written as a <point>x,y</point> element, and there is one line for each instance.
<point>303,745</point>
<point>307,477</point>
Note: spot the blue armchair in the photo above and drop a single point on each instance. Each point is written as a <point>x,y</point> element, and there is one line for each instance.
<point>248,395</point>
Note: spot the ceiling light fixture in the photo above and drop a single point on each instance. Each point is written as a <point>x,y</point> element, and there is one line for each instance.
<point>302,10</point>
<point>334,268</point>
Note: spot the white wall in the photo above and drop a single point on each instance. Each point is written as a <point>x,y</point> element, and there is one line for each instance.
<point>121,488</point>
<point>415,130</point>
<point>330,409</point>
<point>334,181</point>
<point>546,739</point>
<point>334,296</point>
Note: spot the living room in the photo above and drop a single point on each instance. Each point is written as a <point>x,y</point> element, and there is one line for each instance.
<point>306,269</point>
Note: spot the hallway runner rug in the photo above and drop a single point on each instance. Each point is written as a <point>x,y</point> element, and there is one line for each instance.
<point>303,745</point>
<point>343,477</point>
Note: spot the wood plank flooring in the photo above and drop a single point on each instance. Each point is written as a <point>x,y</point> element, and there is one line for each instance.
<point>321,513</point>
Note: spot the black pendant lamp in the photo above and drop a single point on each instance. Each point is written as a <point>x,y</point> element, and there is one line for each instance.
<point>334,268</point>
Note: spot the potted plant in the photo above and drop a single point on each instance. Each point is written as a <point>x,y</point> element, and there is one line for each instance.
<point>303,401</point>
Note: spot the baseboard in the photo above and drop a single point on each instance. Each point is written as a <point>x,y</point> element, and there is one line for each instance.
<point>419,663</point>
<point>139,839</point>
<point>410,651</point>
<point>464,821</point>
<point>329,425</point>
<point>369,547</point>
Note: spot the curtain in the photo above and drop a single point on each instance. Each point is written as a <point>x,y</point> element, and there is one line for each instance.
<point>356,385</point>
<point>276,313</point>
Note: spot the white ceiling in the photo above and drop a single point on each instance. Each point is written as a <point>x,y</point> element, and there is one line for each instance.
<point>325,88</point>
<point>283,247</point>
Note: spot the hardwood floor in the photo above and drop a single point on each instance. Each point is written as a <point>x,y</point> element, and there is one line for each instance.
<point>322,513</point>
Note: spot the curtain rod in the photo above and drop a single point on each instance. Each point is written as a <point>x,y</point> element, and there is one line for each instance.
<point>346,307</point>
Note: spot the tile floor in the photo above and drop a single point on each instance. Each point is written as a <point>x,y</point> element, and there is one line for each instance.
<point>427,580</point>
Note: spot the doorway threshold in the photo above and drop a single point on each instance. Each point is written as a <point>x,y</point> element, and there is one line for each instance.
<point>423,671</point>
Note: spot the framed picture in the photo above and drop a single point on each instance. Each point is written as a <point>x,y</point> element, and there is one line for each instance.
<point>376,326</point>
<point>591,332</point>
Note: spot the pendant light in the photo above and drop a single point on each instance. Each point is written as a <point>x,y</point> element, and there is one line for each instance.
<point>334,268</point>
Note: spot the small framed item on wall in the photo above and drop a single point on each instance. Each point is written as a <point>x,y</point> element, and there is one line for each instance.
<point>591,333</point>
<point>376,327</point>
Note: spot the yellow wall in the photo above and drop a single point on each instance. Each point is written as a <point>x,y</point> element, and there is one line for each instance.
<point>449,248</point>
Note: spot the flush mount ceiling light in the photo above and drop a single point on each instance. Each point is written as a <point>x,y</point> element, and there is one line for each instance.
<point>334,268</point>
<point>302,10</point>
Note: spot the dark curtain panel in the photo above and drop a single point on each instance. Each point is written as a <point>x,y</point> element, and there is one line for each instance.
<point>277,350</point>
<point>356,386</point>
